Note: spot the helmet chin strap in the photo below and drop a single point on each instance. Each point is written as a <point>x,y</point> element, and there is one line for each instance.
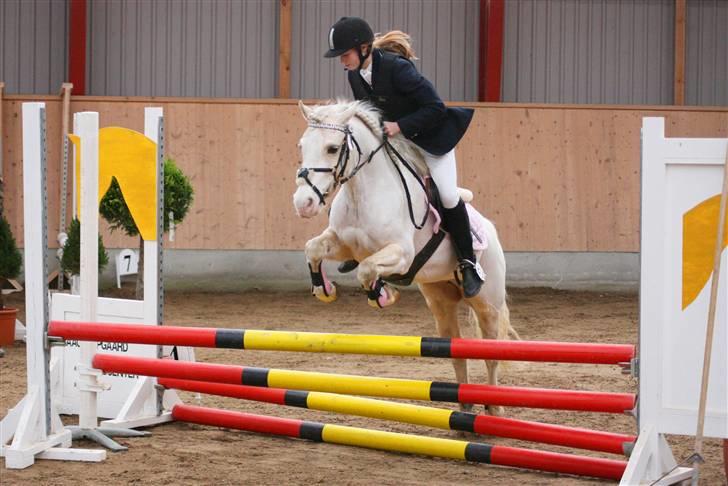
<point>362,57</point>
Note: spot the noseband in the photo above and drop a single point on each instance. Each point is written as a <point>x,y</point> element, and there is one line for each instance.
<point>338,172</point>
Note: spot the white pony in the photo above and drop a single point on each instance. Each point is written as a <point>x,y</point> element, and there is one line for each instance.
<point>372,222</point>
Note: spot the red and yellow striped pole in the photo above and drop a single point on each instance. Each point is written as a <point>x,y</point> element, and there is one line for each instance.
<point>416,414</point>
<point>311,342</point>
<point>405,443</point>
<point>370,386</point>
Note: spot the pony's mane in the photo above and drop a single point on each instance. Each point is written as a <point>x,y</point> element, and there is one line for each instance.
<point>371,117</point>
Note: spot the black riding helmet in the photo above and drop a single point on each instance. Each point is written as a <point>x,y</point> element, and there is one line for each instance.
<point>349,33</point>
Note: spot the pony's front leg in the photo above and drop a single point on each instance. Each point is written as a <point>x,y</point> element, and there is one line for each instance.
<point>325,246</point>
<point>389,260</point>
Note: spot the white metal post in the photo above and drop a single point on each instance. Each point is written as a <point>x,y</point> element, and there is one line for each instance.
<point>35,237</point>
<point>88,131</point>
<point>152,263</point>
<point>147,405</point>
<point>33,424</point>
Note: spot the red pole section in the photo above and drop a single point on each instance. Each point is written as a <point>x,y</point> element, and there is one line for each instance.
<point>593,440</point>
<point>77,46</point>
<point>237,420</point>
<point>169,368</point>
<point>202,337</point>
<point>373,386</point>
<point>511,396</point>
<point>482,49</point>
<point>494,66</point>
<point>541,351</point>
<point>555,462</point>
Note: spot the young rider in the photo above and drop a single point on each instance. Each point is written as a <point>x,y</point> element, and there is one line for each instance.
<point>380,71</point>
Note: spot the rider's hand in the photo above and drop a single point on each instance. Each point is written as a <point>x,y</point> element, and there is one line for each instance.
<point>391,128</point>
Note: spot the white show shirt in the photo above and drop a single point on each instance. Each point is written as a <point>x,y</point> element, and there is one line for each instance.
<point>366,73</point>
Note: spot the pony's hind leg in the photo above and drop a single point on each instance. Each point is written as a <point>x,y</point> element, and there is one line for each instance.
<point>494,324</point>
<point>325,246</point>
<point>442,299</point>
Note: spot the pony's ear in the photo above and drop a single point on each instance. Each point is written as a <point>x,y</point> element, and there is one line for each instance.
<point>305,110</point>
<point>346,115</point>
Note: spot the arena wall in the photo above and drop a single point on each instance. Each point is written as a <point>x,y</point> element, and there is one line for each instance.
<point>555,179</point>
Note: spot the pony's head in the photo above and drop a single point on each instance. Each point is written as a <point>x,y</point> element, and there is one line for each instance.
<point>325,150</point>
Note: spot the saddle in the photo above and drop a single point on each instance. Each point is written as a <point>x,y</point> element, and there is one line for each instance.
<point>477,228</point>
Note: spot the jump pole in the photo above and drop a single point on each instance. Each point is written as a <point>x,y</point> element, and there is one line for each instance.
<point>406,443</point>
<point>370,386</point>
<point>418,415</point>
<point>347,343</point>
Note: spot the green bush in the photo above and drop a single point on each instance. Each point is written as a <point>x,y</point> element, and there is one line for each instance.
<point>71,260</point>
<point>178,197</point>
<point>10,257</point>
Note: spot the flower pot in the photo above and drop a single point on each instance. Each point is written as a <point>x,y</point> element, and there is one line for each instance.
<point>7,326</point>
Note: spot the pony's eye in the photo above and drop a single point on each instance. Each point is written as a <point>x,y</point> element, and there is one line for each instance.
<point>332,149</point>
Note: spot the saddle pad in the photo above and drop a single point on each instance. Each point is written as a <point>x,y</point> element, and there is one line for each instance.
<point>477,225</point>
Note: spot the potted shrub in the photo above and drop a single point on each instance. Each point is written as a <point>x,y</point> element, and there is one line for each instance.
<point>178,196</point>
<point>10,263</point>
<point>71,259</point>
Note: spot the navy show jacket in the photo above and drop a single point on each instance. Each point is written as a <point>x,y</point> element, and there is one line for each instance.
<point>408,98</point>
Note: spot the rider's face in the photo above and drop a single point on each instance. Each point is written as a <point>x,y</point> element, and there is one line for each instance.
<point>350,59</point>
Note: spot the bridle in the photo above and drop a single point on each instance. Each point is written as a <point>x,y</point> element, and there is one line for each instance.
<point>338,172</point>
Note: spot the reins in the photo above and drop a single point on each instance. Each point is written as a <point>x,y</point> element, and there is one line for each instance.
<point>389,148</point>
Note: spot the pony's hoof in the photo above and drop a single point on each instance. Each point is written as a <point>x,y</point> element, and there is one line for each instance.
<point>325,293</point>
<point>387,296</point>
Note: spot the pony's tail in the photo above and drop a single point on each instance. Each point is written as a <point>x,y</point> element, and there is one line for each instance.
<point>505,329</point>
<point>397,42</point>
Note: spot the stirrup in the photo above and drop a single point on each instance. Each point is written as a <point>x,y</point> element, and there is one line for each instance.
<point>347,266</point>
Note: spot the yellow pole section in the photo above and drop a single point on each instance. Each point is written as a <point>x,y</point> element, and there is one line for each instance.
<point>391,441</point>
<point>378,409</point>
<point>349,385</point>
<point>314,342</point>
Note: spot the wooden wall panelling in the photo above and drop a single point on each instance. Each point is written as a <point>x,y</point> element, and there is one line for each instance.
<point>552,178</point>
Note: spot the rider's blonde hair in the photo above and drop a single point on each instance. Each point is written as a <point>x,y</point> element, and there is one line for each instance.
<point>397,42</point>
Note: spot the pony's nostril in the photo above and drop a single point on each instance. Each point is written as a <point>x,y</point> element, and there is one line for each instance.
<point>309,202</point>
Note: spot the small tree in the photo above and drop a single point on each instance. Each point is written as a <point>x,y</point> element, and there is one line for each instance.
<point>10,257</point>
<point>178,197</point>
<point>71,259</point>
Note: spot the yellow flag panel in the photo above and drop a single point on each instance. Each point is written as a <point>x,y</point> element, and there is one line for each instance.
<point>700,230</point>
<point>130,157</point>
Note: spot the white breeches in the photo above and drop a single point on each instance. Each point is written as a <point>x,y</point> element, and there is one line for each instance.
<point>444,172</point>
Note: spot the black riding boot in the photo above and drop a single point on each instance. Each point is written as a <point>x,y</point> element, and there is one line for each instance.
<point>458,224</point>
